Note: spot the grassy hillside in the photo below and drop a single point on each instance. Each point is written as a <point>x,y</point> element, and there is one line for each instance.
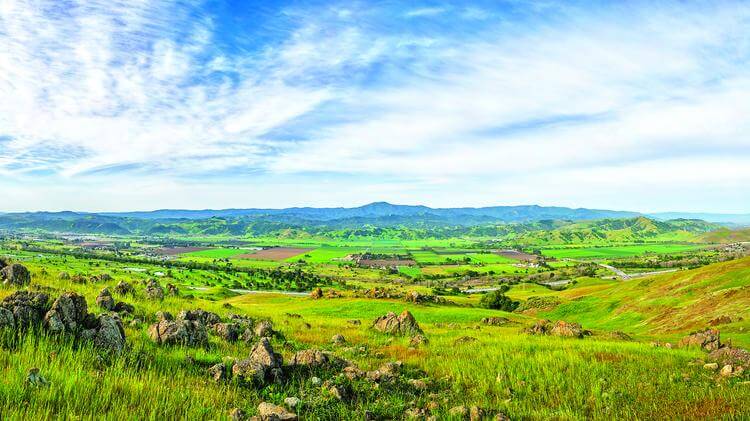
<point>669,304</point>
<point>726,236</point>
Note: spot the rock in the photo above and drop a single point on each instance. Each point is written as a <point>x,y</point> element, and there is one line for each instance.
<point>105,300</point>
<point>541,327</point>
<point>418,340</point>
<point>236,414</point>
<point>496,321</point>
<point>338,392</point>
<point>316,294</point>
<point>338,339</point>
<point>271,412</point>
<point>108,334</point>
<point>28,308</point>
<point>264,329</point>
<point>63,276</point>
<point>354,322</point>
<point>476,413</point>
<point>261,367</point>
<point>726,371</point>
<point>164,315</point>
<point>352,372</point>
<point>418,384</point>
<point>124,288</point>
<point>711,366</point>
<point>563,328</point>
<point>15,274</point>
<point>315,381</point>
<point>69,314</point>
<point>173,291</point>
<point>34,378</point>
<point>154,291</point>
<point>230,332</point>
<point>204,317</point>
<point>292,402</point>
<point>708,339</point>
<point>403,324</point>
<point>7,321</point>
<point>723,320</point>
<point>310,358</point>
<point>464,340</point>
<point>218,372</point>
<point>293,315</point>
<point>728,355</point>
<point>179,332</point>
<point>123,308</point>
<point>620,335</point>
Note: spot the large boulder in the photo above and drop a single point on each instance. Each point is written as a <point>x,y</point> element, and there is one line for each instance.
<point>106,333</point>
<point>708,339</point>
<point>179,332</point>
<point>69,314</point>
<point>124,288</point>
<point>732,356</point>
<point>205,317</point>
<point>270,412</point>
<point>15,274</point>
<point>154,291</point>
<point>28,308</point>
<point>7,320</point>
<point>105,300</point>
<point>563,328</point>
<point>261,367</point>
<point>403,324</point>
<point>310,358</point>
<point>264,329</point>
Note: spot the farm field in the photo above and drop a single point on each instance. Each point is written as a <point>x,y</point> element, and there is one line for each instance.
<point>605,252</point>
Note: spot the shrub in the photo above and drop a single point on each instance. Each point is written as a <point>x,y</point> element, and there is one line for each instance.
<point>497,300</point>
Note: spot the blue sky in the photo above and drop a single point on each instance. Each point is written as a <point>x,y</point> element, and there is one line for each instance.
<point>118,105</point>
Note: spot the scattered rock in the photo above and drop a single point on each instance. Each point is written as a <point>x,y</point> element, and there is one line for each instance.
<point>338,392</point>
<point>105,300</point>
<point>310,358</point>
<point>107,333</point>
<point>173,291</point>
<point>261,367</point>
<point>726,371</point>
<point>69,314</point>
<point>293,315</point>
<point>354,322</point>
<point>418,340</point>
<point>729,355</point>
<point>541,327</point>
<point>315,381</point>
<point>154,291</point>
<point>563,328</point>
<point>204,317</point>
<point>338,339</point>
<point>218,372</point>
<point>620,335</point>
<point>124,308</point>
<point>464,340</point>
<point>711,366</point>
<point>34,378</point>
<point>179,332</point>
<point>403,324</point>
<point>496,321</point>
<point>317,293</point>
<point>124,288</point>
<point>164,315</point>
<point>15,274</point>
<point>264,329</point>
<point>708,339</point>
<point>271,412</point>
<point>28,308</point>
<point>723,320</point>
<point>236,414</point>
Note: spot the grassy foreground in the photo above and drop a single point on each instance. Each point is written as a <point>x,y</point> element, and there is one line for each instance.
<point>525,377</point>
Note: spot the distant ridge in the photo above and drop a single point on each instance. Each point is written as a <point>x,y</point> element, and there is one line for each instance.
<point>524,213</point>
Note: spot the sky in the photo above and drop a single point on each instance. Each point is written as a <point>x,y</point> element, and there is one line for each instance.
<point>139,105</point>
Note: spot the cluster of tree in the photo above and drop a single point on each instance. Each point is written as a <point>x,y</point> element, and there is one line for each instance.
<point>497,300</point>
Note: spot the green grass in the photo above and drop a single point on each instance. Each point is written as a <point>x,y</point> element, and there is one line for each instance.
<point>616,251</point>
<point>220,253</point>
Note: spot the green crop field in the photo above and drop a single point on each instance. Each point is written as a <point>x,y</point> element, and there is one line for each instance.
<point>616,251</point>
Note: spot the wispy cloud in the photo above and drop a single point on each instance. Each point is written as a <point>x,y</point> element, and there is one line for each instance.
<point>393,95</point>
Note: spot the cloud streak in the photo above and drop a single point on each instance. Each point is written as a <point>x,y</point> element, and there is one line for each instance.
<point>435,98</point>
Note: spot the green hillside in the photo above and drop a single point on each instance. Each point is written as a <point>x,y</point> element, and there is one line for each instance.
<point>726,236</point>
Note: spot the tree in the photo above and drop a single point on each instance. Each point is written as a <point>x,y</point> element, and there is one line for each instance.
<point>497,300</point>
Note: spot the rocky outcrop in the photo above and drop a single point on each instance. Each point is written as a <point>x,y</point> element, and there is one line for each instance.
<point>106,333</point>
<point>15,274</point>
<point>218,372</point>
<point>496,321</point>
<point>179,332</point>
<point>418,340</point>
<point>270,412</point>
<point>28,308</point>
<point>68,315</point>
<point>261,367</point>
<point>124,288</point>
<point>317,293</point>
<point>310,358</point>
<point>566,329</point>
<point>264,329</point>
<point>732,356</point>
<point>105,300</point>
<point>205,317</point>
<point>708,339</point>
<point>338,339</point>
<point>404,324</point>
<point>154,291</point>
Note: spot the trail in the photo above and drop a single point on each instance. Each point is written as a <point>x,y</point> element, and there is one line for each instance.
<point>253,291</point>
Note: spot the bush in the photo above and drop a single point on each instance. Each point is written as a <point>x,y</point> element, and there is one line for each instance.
<point>497,300</point>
